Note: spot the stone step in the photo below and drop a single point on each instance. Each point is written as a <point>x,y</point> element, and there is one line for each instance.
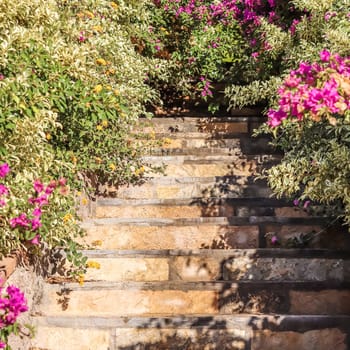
<point>191,208</point>
<point>211,125</point>
<point>208,159</point>
<point>239,187</point>
<point>198,143</point>
<point>176,146</point>
<point>103,235</point>
<point>105,299</point>
<point>208,166</point>
<point>229,265</point>
<point>206,232</point>
<point>238,332</point>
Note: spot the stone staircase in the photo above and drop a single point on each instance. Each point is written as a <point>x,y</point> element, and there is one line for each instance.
<point>186,260</point>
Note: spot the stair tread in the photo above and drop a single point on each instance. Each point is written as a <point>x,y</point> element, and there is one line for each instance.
<point>228,253</point>
<point>251,220</point>
<point>200,285</point>
<point>280,322</point>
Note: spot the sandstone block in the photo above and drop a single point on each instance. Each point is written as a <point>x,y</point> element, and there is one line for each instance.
<point>194,268</point>
<point>54,338</point>
<point>189,339</point>
<point>324,339</point>
<point>324,302</point>
<point>101,302</point>
<point>172,237</point>
<point>129,269</point>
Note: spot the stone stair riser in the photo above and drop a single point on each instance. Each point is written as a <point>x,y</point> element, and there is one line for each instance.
<point>196,209</point>
<point>207,126</point>
<point>121,302</point>
<point>172,237</point>
<point>206,268</point>
<point>205,235</point>
<point>189,339</point>
<point>240,187</point>
<point>193,211</point>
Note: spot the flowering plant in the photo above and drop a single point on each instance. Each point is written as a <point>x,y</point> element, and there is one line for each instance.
<point>315,91</point>
<point>12,305</point>
<point>28,221</point>
<point>199,43</point>
<point>311,124</point>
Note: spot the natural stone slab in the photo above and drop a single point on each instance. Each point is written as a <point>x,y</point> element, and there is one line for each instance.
<point>189,339</point>
<point>283,269</point>
<point>192,298</point>
<point>105,302</point>
<point>194,268</point>
<point>172,237</point>
<point>129,269</point>
<point>221,169</point>
<point>325,302</point>
<point>281,323</point>
<point>163,211</point>
<point>291,212</point>
<point>200,142</point>
<point>323,339</point>
<point>54,338</point>
<point>195,188</point>
<point>211,127</point>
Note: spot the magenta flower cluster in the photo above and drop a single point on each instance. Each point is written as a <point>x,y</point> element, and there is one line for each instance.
<point>12,304</point>
<point>316,90</point>
<point>248,13</point>
<point>40,198</point>
<point>206,87</point>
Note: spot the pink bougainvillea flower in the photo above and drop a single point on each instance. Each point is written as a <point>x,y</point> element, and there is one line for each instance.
<point>4,170</point>
<point>325,55</point>
<point>35,240</point>
<point>21,221</point>
<point>38,186</point>
<point>36,223</point>
<point>3,190</point>
<point>62,181</point>
<point>37,212</point>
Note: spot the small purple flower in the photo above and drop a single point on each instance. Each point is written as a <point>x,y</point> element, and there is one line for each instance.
<point>274,240</point>
<point>296,202</point>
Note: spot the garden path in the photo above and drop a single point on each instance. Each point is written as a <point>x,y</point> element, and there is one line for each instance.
<point>189,259</point>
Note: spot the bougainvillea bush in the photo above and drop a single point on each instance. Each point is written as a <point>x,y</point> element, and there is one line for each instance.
<point>311,123</point>
<point>72,87</point>
<point>37,205</point>
<point>293,32</point>
<point>12,305</point>
<point>198,43</point>
<point>76,60</point>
